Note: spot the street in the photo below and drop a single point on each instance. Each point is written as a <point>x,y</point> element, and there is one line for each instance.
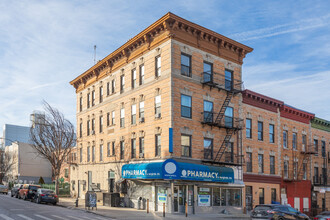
<point>17,209</point>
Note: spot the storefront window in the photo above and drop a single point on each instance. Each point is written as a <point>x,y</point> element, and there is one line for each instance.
<point>182,195</point>
<point>204,196</point>
<point>230,197</point>
<point>216,196</point>
<point>162,194</point>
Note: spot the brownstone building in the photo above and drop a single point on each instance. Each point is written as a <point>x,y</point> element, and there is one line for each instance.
<point>159,119</point>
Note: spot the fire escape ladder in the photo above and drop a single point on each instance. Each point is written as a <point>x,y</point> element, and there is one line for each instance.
<point>224,107</point>
<point>222,149</point>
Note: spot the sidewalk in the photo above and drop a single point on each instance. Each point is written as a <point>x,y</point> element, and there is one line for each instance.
<point>134,214</point>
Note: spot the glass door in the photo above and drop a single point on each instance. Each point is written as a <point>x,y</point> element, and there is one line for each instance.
<point>176,200</point>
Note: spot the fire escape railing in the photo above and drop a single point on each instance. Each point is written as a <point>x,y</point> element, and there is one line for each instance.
<point>220,119</point>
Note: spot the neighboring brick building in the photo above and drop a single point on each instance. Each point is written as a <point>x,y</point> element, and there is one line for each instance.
<point>159,119</point>
<point>281,150</point>
<point>320,135</point>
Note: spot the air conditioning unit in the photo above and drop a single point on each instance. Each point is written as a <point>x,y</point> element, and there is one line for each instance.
<point>303,149</point>
<point>141,119</point>
<point>328,157</point>
<point>93,131</point>
<point>141,155</point>
<point>158,115</point>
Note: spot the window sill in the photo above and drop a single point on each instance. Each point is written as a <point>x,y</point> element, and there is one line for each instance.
<point>186,118</point>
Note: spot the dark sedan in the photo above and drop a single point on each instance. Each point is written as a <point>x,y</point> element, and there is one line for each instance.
<point>276,212</point>
<point>46,196</point>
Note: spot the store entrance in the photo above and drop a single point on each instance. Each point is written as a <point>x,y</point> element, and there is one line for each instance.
<point>180,197</point>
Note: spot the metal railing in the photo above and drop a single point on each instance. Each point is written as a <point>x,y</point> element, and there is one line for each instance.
<point>225,122</point>
<point>219,81</point>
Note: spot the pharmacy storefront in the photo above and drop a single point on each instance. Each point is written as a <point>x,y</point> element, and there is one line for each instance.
<point>203,188</point>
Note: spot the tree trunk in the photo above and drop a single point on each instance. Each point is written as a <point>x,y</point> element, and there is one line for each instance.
<point>56,185</point>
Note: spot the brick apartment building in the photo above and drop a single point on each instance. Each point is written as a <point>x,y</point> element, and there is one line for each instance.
<point>284,162</point>
<point>162,118</point>
<point>159,119</point>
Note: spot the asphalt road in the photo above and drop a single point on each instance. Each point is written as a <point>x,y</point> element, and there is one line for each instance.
<point>17,209</point>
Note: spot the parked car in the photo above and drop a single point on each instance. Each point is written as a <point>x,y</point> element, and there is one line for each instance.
<point>323,216</point>
<point>276,212</point>
<point>3,189</point>
<point>46,196</point>
<point>28,191</point>
<point>15,189</point>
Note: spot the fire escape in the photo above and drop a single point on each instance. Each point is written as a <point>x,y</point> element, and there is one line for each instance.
<point>223,120</point>
<point>297,171</point>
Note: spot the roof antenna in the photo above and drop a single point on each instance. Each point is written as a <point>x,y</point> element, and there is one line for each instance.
<point>94,54</point>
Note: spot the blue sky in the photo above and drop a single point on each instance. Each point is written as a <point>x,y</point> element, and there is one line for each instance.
<point>46,44</point>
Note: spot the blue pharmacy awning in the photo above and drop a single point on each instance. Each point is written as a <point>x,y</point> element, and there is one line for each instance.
<point>171,169</point>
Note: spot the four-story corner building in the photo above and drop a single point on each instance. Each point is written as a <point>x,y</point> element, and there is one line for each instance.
<point>160,119</point>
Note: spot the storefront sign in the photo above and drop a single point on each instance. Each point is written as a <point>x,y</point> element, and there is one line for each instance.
<point>204,200</point>
<point>170,169</point>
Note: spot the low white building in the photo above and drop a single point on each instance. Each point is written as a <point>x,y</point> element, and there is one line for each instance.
<point>28,165</point>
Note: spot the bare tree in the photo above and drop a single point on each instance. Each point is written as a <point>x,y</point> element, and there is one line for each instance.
<point>7,163</point>
<point>53,137</point>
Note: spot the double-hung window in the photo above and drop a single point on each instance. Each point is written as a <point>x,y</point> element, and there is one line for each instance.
<point>157,145</point>
<point>229,116</point>
<point>101,152</point>
<point>93,153</point>
<point>80,129</point>
<point>122,149</point>
<point>133,115</point>
<point>141,74</point>
<point>141,112</point>
<point>228,80</point>
<point>133,148</point>
<point>141,147</point>
<point>101,124</point>
<point>101,94</point>
<point>208,111</point>
<point>113,150</point>
<point>88,100</point>
<point>133,78</point>
<point>248,162</point>
<point>286,169</point>
<point>316,146</point>
<point>207,72</point>
<point>323,148</point>
<point>158,106</point>
<point>186,145</point>
<point>304,142</point>
<point>272,164</point>
<point>93,126</point>
<point>185,65</point>
<point>158,66</point>
<point>271,134</point>
<point>88,127</point>
<point>122,83</point>
<point>186,106</point>
<point>93,97</point>
<point>260,130</point>
<point>122,117</point>
<point>88,154</point>
<point>108,119</point>
<point>285,139</point>
<point>108,88</point>
<point>80,155</point>
<point>108,149</point>
<point>113,86</point>
<point>80,103</point>
<point>208,148</point>
<point>294,141</point>
<point>248,128</point>
<point>229,154</point>
<point>260,163</point>
<point>113,122</point>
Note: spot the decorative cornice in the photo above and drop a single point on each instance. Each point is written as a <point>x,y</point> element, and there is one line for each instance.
<point>321,124</point>
<point>172,26</point>
<point>296,114</point>
<point>261,101</point>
